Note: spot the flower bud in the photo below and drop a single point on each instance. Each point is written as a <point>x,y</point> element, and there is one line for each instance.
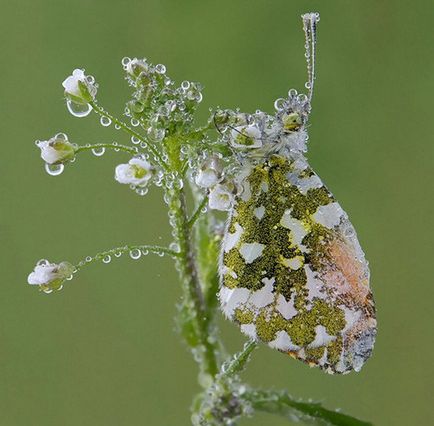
<point>135,67</point>
<point>56,150</point>
<point>246,137</point>
<point>80,88</point>
<point>210,173</point>
<point>137,172</point>
<point>50,276</point>
<point>221,197</point>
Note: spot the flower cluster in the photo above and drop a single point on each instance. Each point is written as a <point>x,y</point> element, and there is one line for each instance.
<point>157,105</point>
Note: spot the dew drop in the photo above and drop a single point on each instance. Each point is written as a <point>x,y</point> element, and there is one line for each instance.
<point>117,126</point>
<point>88,259</point>
<point>105,121</point>
<point>78,110</point>
<point>135,140</point>
<point>118,254</point>
<point>42,262</point>
<point>160,68</point>
<point>125,61</point>
<point>107,258</point>
<point>54,169</point>
<point>61,136</point>
<point>98,151</point>
<point>135,254</point>
<point>142,191</point>
<point>135,122</point>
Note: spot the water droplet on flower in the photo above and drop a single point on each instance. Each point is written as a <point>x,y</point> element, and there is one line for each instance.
<point>61,136</point>
<point>98,151</point>
<point>42,262</point>
<point>185,85</point>
<point>292,93</point>
<point>135,140</point>
<point>107,258</point>
<point>125,61</point>
<point>135,254</point>
<point>279,104</point>
<point>105,121</point>
<point>78,110</point>
<point>54,169</point>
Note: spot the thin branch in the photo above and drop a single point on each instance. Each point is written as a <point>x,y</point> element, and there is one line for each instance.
<point>197,212</point>
<point>131,150</point>
<point>118,251</point>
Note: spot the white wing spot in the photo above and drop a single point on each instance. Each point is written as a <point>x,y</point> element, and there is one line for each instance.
<point>286,309</point>
<point>264,296</point>
<point>231,240</point>
<point>322,338</point>
<point>232,298</point>
<point>251,251</point>
<point>329,215</point>
<point>298,231</point>
<point>249,330</point>
<point>259,212</point>
<point>283,342</point>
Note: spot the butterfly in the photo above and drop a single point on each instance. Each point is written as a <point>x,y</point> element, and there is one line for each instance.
<point>293,274</point>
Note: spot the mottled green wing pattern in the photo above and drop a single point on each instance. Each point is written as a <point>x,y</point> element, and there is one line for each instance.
<point>293,274</point>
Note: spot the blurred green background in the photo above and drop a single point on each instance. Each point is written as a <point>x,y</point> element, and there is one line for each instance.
<point>104,350</point>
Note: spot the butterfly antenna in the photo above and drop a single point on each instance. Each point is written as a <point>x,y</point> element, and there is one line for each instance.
<point>310,21</point>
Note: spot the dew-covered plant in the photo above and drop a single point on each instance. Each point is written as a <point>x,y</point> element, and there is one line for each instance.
<point>165,147</point>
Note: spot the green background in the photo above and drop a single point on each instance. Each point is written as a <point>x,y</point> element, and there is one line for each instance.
<point>104,351</point>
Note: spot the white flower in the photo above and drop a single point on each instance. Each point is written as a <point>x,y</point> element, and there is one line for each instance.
<point>221,197</point>
<point>57,149</point>
<point>210,173</point>
<point>50,275</point>
<point>79,87</point>
<point>137,172</point>
<point>246,137</point>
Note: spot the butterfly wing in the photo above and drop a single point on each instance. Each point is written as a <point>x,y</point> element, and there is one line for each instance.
<point>293,274</point>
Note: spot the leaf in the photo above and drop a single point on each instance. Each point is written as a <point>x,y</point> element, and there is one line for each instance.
<point>279,402</point>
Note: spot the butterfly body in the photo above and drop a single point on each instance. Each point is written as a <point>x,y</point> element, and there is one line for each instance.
<point>293,274</point>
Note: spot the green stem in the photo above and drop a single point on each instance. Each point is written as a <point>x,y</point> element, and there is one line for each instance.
<point>118,251</point>
<point>198,212</point>
<point>131,132</point>
<point>109,146</point>
<point>276,402</point>
<point>193,296</point>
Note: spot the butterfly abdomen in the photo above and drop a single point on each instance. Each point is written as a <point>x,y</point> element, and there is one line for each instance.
<point>292,272</point>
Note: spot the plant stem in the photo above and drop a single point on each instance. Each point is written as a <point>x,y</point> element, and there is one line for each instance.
<point>198,211</point>
<point>193,296</point>
<point>131,150</point>
<point>125,249</point>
